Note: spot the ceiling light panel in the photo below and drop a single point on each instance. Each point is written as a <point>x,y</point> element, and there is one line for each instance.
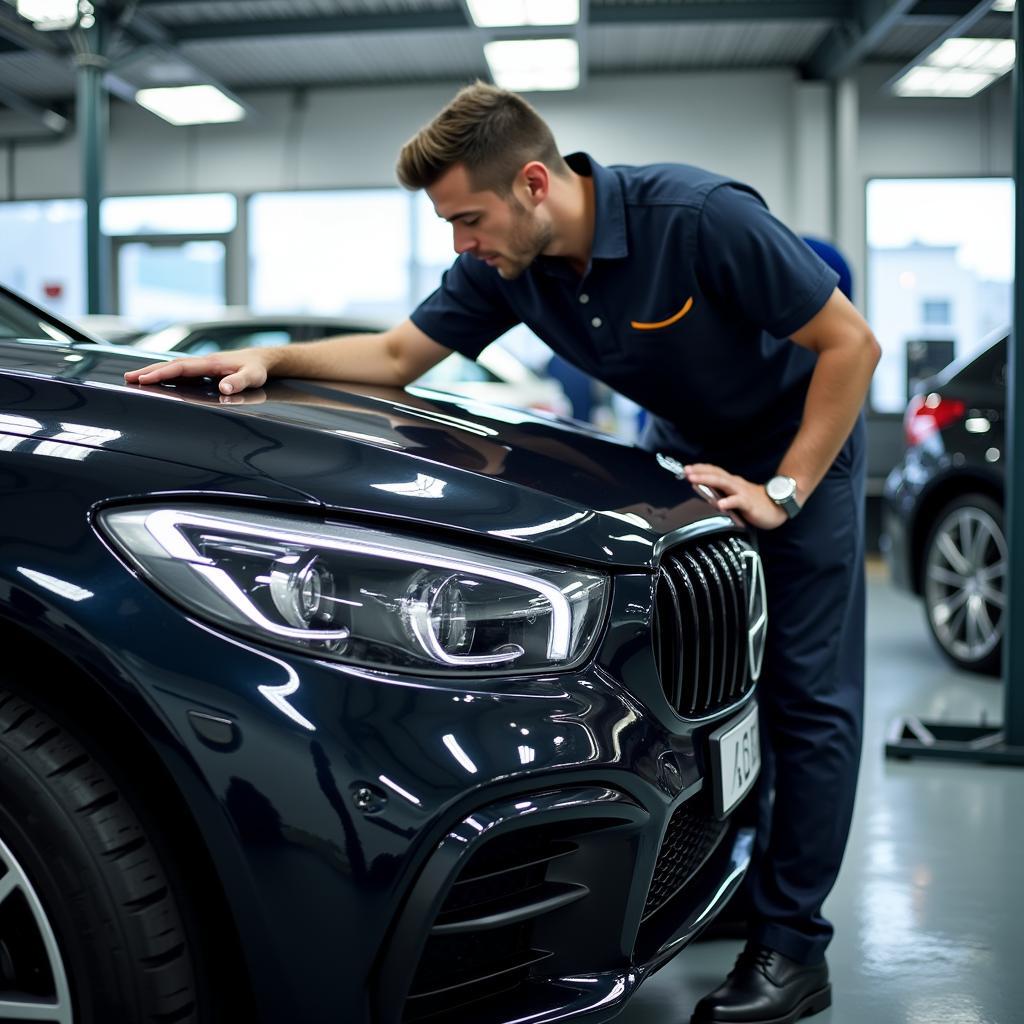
<point>49,15</point>
<point>191,104</point>
<point>528,65</point>
<point>959,68</point>
<point>508,13</point>
<point>950,82</point>
<point>995,55</point>
<point>1003,5</point>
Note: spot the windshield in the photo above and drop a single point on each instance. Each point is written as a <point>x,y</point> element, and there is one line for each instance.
<point>19,321</point>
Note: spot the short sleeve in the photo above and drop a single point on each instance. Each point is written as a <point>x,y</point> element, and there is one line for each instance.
<point>468,311</point>
<point>754,264</point>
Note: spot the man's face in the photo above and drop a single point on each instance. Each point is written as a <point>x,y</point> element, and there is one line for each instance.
<point>501,231</point>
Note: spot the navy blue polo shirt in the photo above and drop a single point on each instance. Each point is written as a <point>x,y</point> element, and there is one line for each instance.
<point>692,291</point>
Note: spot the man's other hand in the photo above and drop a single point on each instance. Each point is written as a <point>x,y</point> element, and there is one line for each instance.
<point>237,371</point>
<point>750,500</point>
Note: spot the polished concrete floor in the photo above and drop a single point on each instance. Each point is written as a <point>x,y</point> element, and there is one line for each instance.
<point>929,906</point>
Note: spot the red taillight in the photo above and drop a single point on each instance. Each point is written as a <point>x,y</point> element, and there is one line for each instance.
<point>928,414</point>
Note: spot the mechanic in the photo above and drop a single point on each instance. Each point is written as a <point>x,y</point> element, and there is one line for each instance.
<point>678,288</point>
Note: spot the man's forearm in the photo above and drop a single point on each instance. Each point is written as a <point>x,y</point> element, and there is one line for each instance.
<point>835,395</point>
<point>362,358</point>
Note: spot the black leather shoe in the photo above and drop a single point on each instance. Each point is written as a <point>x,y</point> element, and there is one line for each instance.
<point>766,987</point>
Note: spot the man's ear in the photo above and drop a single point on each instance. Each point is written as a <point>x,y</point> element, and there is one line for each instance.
<point>536,179</point>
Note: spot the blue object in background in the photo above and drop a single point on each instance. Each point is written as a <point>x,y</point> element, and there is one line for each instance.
<point>835,259</point>
<point>578,387</point>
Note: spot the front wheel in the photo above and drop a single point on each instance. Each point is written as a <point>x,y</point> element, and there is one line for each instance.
<point>90,928</point>
<point>964,570</point>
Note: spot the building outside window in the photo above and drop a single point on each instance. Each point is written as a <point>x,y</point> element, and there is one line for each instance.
<point>936,312</point>
<point>940,273</point>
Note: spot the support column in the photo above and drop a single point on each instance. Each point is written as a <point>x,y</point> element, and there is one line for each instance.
<point>1013,637</point>
<point>93,113</point>
<point>848,189</point>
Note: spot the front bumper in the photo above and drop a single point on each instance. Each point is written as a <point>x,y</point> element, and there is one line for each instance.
<point>329,803</point>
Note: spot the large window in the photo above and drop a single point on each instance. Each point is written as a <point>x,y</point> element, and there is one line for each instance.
<point>43,252</point>
<point>331,252</point>
<point>168,253</point>
<point>940,273</point>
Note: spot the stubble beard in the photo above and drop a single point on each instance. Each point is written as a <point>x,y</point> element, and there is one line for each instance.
<point>527,241</point>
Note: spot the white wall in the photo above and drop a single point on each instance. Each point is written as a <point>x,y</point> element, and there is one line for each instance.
<point>765,127</point>
<point>933,138</point>
<point>739,123</point>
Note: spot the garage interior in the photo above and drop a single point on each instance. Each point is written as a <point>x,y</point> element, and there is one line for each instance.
<point>799,98</point>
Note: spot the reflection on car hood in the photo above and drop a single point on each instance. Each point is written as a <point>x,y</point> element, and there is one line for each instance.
<point>414,455</point>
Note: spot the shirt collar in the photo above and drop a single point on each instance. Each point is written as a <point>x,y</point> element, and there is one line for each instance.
<point>610,241</point>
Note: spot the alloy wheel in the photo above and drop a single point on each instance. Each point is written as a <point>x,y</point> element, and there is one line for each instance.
<point>965,575</point>
<point>33,982</point>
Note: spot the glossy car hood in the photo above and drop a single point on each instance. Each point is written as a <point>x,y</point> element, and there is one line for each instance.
<point>415,455</point>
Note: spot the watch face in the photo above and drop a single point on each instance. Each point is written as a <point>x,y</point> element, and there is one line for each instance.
<point>780,488</point>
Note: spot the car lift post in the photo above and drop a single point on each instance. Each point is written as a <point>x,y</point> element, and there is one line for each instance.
<point>910,737</point>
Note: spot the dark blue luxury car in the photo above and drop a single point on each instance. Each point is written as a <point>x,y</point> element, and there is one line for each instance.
<point>944,534</point>
<point>335,704</point>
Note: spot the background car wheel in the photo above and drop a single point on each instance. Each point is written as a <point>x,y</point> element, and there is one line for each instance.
<point>89,925</point>
<point>964,576</point>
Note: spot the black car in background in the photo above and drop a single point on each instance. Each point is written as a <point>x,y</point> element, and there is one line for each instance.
<point>327,703</point>
<point>943,535</point>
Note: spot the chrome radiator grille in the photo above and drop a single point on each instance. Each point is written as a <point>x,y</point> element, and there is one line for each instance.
<point>709,624</point>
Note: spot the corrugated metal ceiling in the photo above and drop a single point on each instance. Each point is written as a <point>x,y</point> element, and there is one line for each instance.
<point>639,48</point>
<point>393,42</point>
<point>298,60</point>
<point>191,12</point>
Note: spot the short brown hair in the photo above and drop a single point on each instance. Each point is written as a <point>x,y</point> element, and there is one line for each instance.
<point>491,131</point>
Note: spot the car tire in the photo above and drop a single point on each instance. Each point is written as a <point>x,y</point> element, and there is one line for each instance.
<point>89,921</point>
<point>963,574</point>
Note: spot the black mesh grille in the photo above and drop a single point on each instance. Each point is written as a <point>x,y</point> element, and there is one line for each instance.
<point>690,839</point>
<point>701,624</point>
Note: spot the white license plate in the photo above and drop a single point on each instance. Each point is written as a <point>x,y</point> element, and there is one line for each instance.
<point>735,761</point>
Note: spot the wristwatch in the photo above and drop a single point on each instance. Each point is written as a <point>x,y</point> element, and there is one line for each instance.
<point>782,490</point>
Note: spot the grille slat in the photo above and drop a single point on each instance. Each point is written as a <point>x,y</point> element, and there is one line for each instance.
<point>704,631</point>
<point>703,654</point>
<point>734,573</point>
<point>719,625</point>
<point>675,673</point>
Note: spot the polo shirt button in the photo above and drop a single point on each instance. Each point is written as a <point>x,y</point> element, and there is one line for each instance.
<point>584,298</point>
<point>597,321</point>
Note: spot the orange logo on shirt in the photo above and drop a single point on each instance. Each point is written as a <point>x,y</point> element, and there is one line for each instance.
<point>638,326</point>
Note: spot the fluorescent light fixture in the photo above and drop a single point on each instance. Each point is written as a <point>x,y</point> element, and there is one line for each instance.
<point>959,68</point>
<point>526,65</point>
<point>191,104</point>
<point>951,82</point>
<point>49,15</point>
<point>994,55</point>
<point>1003,5</point>
<point>505,13</point>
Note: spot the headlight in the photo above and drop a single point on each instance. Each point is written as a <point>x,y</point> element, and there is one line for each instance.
<point>363,596</point>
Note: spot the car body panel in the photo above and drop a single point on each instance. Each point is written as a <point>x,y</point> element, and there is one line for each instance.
<point>510,475</point>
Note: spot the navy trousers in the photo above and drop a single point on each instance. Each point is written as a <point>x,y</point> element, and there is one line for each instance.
<point>810,701</point>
